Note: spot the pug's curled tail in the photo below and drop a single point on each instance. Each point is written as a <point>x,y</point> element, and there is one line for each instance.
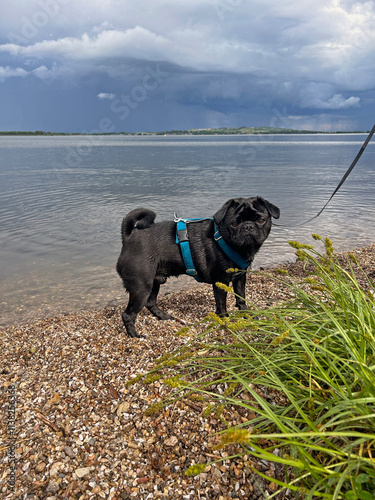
<point>139,218</point>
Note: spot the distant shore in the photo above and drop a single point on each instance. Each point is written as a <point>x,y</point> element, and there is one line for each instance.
<point>200,131</point>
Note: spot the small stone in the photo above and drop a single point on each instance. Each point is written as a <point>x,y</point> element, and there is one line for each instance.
<point>40,467</point>
<point>83,471</point>
<point>55,469</point>
<point>122,408</point>
<point>69,451</point>
<point>132,445</point>
<point>237,472</point>
<point>55,400</point>
<point>172,441</point>
<point>216,474</point>
<point>52,487</point>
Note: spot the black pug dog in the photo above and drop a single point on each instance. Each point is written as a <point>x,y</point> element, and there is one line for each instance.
<point>150,254</point>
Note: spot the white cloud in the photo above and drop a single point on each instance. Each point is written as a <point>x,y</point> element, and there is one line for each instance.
<point>316,39</point>
<point>8,72</point>
<point>136,42</point>
<point>105,95</point>
<point>321,96</point>
<point>339,102</point>
<point>42,72</point>
<point>104,26</point>
<point>56,71</point>
<point>324,45</point>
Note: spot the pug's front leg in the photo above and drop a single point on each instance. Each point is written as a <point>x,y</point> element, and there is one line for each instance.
<point>239,284</point>
<point>221,301</point>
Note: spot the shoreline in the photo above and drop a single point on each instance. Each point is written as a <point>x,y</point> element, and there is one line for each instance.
<point>177,134</point>
<point>183,283</point>
<point>81,432</point>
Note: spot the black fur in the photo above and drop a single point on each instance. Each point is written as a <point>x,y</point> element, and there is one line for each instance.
<point>150,254</point>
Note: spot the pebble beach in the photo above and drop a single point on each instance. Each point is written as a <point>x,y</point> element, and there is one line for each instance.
<point>81,432</point>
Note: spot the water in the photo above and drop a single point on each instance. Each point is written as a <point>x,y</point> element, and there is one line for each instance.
<point>62,200</point>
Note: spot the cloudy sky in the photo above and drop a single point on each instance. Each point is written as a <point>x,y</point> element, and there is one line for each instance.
<point>151,65</point>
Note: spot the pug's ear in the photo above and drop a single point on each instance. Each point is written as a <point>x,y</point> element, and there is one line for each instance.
<point>221,213</point>
<point>272,209</point>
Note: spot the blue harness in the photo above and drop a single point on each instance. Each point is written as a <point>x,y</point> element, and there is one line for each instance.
<point>182,239</point>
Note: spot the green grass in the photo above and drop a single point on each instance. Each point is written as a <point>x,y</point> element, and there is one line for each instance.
<point>316,353</point>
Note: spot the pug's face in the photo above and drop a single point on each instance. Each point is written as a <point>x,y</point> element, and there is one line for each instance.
<point>246,222</point>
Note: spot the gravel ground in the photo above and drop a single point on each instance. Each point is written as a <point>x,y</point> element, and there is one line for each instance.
<point>80,432</point>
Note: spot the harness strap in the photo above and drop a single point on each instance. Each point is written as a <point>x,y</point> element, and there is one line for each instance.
<point>182,239</point>
<point>230,252</point>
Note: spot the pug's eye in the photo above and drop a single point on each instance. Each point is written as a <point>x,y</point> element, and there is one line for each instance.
<point>234,224</point>
<point>261,221</point>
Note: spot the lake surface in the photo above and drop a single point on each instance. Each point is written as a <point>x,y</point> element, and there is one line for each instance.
<point>62,200</point>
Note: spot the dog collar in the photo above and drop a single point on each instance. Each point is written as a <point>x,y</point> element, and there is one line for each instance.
<point>229,251</point>
<point>182,240</point>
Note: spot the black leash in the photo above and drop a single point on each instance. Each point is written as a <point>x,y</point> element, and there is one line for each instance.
<point>347,173</point>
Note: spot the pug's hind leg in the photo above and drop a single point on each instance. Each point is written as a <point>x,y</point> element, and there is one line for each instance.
<point>137,300</point>
<point>152,305</point>
<point>221,301</point>
<point>239,284</point>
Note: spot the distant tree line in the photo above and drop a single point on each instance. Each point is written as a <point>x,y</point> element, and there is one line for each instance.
<point>36,132</point>
<point>204,131</point>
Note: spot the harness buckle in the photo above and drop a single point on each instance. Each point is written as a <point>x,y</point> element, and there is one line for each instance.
<point>182,235</point>
<point>217,236</point>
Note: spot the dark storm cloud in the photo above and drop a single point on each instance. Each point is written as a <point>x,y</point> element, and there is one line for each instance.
<point>226,62</point>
